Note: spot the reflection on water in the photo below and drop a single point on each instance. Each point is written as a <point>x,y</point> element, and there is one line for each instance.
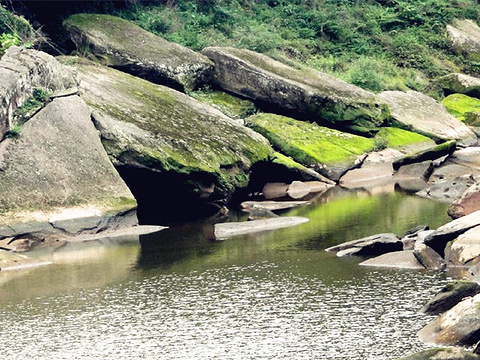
<point>275,295</point>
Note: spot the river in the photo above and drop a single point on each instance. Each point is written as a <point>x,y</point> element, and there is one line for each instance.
<point>179,295</point>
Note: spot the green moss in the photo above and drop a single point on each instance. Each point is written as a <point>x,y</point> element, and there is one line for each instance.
<point>309,143</point>
<point>395,137</point>
<point>459,104</point>
<point>230,105</point>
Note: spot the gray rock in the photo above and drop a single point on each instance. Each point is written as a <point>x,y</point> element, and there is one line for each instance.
<point>369,246</point>
<point>57,168</point>
<point>410,239</point>
<point>259,213</point>
<point>227,230</point>
<point>467,203</point>
<point>428,257</point>
<point>448,232</point>
<point>460,84</point>
<point>421,170</point>
<point>22,71</point>
<point>465,248</point>
<point>119,43</point>
<point>272,205</point>
<point>367,175</point>
<point>442,354</point>
<point>12,261</point>
<point>153,127</point>
<point>448,190</point>
<point>397,259</point>
<point>298,190</point>
<point>119,235</point>
<point>425,115</point>
<point>274,190</point>
<point>464,36</point>
<point>458,326</point>
<point>307,91</point>
<point>450,296</point>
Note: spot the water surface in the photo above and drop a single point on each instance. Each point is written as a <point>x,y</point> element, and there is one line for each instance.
<point>275,295</point>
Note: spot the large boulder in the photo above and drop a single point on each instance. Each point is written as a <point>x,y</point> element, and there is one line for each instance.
<point>329,152</point>
<point>449,296</point>
<point>463,107</point>
<point>305,91</point>
<point>458,83</point>
<point>467,203</point>
<point>438,239</point>
<point>174,142</point>
<point>56,176</point>
<point>22,71</point>
<point>442,354</point>
<point>423,114</point>
<point>465,248</point>
<point>458,326</point>
<point>464,36</point>
<point>119,43</point>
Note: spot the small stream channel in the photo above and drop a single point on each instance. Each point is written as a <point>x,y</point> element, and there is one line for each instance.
<point>275,295</point>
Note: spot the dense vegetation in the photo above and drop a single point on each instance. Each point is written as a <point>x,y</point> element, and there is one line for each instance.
<point>376,44</point>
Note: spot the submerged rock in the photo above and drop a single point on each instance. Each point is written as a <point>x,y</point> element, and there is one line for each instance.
<point>306,91</point>
<point>450,296</point>
<point>369,246</point>
<point>226,230</point>
<point>57,177</point>
<point>119,43</point>
<point>11,261</point>
<point>22,71</point>
<point>425,115</point>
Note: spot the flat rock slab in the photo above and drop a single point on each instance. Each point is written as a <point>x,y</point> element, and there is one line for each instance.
<point>369,246</point>
<point>226,230</point>
<point>307,91</point>
<point>368,173</point>
<point>122,44</point>
<point>439,238</point>
<point>442,354</point>
<point>425,115</point>
<point>132,234</point>
<point>448,190</point>
<point>272,205</point>
<point>397,259</point>
<point>458,326</point>
<point>12,261</point>
<point>450,296</point>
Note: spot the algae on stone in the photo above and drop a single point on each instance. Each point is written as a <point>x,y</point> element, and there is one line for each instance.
<point>458,105</point>
<point>230,105</point>
<point>397,138</point>
<point>151,126</point>
<point>311,145</point>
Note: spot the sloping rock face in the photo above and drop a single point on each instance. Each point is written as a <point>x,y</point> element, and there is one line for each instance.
<point>465,248</point>
<point>458,326</point>
<point>465,38</point>
<point>369,246</point>
<point>460,84</point>
<point>306,91</point>
<point>467,203</point>
<point>157,129</point>
<point>119,43</point>
<point>425,115</point>
<point>329,152</point>
<point>450,296</point>
<point>22,71</point>
<point>56,176</point>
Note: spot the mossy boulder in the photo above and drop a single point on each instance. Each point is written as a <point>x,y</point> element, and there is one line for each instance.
<point>464,36</point>
<point>460,105</point>
<point>56,176</point>
<point>404,140</point>
<point>304,90</point>
<point>423,114</point>
<point>330,152</point>
<point>458,83</point>
<point>22,71</point>
<point>230,105</point>
<point>119,43</point>
<point>149,126</point>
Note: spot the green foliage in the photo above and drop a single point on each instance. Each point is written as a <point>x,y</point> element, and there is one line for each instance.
<point>31,105</point>
<point>378,45</point>
<point>15,30</point>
